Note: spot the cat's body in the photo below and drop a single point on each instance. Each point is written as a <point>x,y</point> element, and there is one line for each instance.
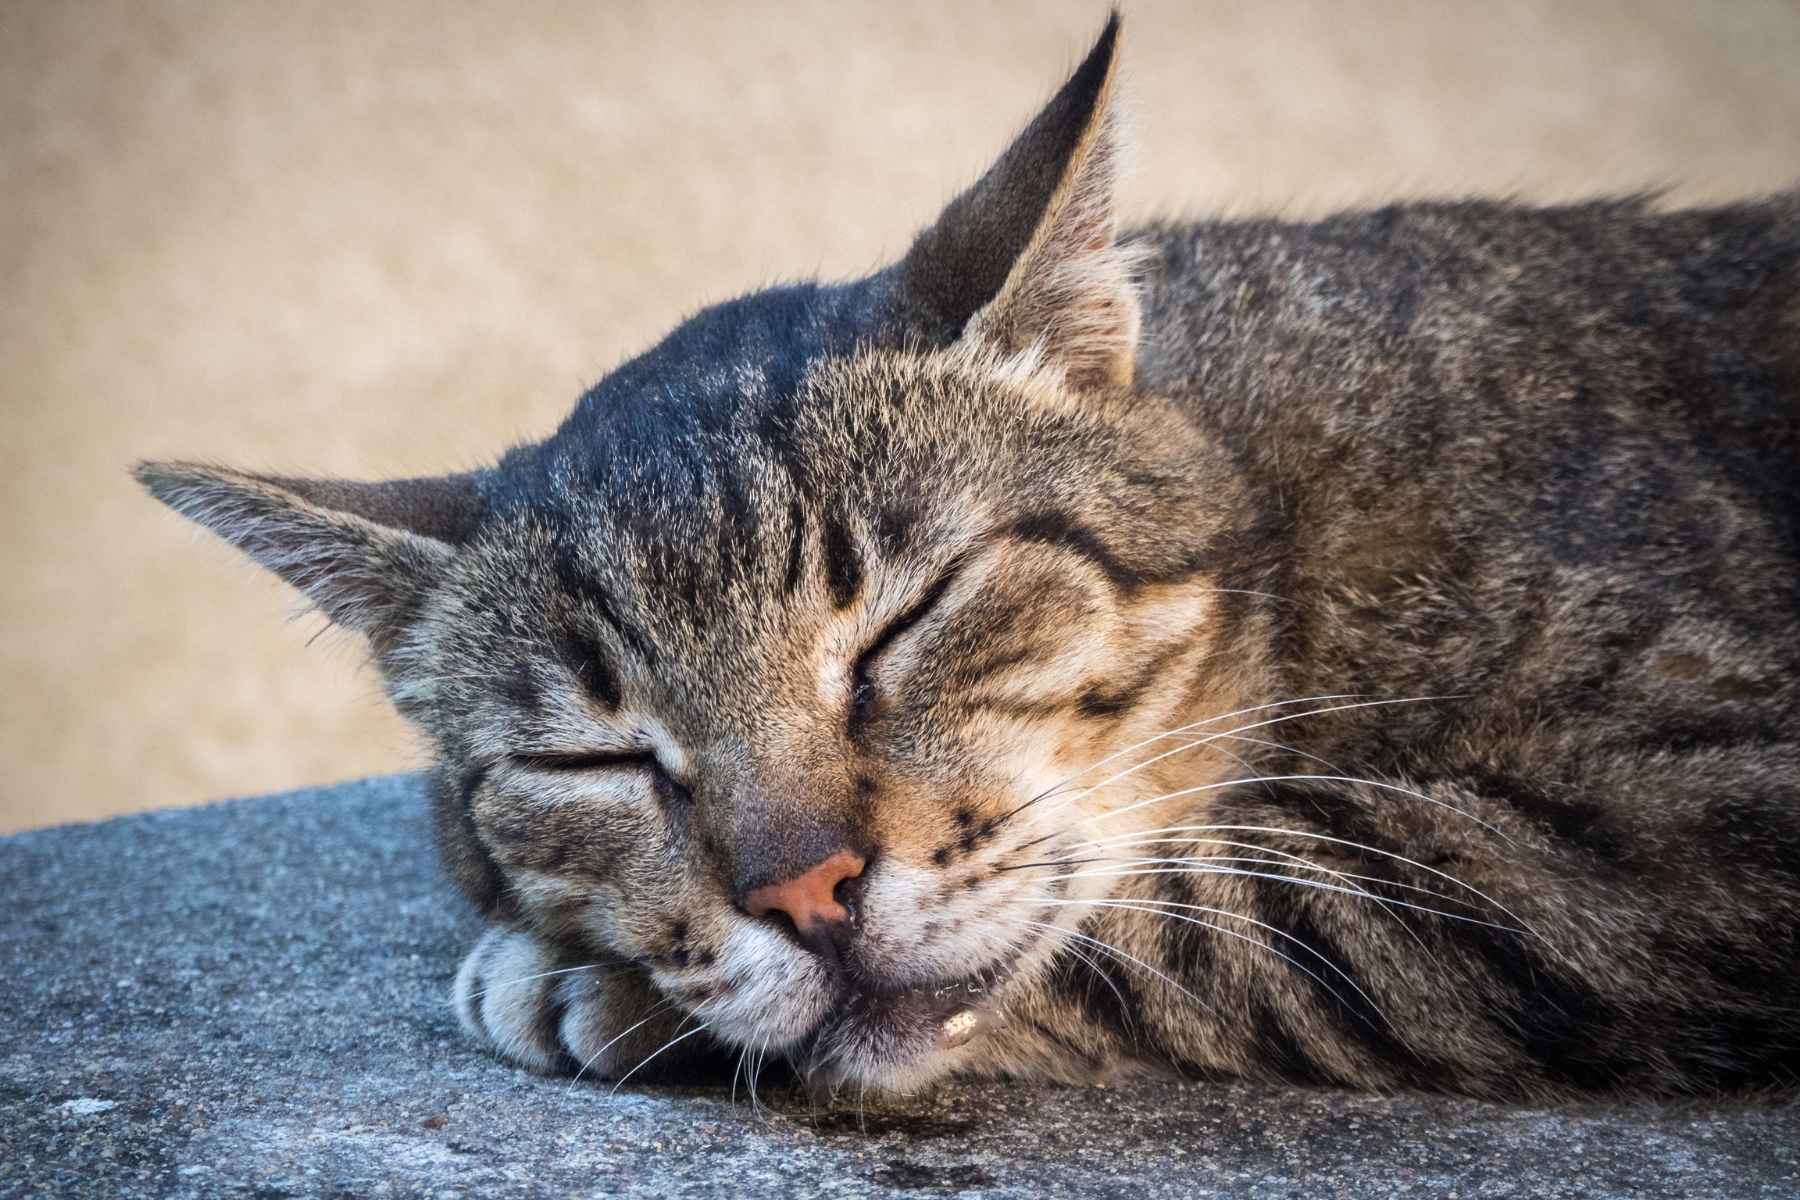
<point>1358,652</point>
<point>1547,460</point>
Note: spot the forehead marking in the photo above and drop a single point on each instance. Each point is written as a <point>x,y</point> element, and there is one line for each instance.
<point>594,673</point>
<point>834,681</point>
<point>843,565</point>
<point>1056,528</point>
<point>577,584</point>
<point>796,546</point>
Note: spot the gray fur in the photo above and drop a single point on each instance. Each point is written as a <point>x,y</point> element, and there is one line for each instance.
<point>1358,652</point>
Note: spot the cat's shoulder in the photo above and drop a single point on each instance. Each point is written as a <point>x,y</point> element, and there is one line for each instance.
<point>1449,240</point>
<point>1422,276</point>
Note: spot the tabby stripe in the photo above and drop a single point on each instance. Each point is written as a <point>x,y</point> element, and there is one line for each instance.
<point>465,853</point>
<point>894,528</point>
<point>1092,1062</point>
<point>1313,807</point>
<point>1556,1019</point>
<point>971,672</point>
<point>913,615</point>
<point>1189,948</point>
<point>796,553</point>
<point>843,566</point>
<point>594,672</point>
<point>1354,1017</point>
<point>1114,1008</point>
<point>1007,706</point>
<point>741,516</point>
<point>569,575</point>
<point>1282,1052</point>
<point>1573,819</point>
<point>1097,702</point>
<point>1053,528</point>
<point>470,785</point>
<point>520,688</point>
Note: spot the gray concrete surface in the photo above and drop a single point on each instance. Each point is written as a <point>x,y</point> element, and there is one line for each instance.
<point>249,1000</point>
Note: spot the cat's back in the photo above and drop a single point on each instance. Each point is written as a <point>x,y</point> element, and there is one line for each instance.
<point>1497,442</point>
<point>1594,363</point>
<point>1483,316</point>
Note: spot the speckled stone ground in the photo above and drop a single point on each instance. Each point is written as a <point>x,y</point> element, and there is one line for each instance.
<point>249,1000</point>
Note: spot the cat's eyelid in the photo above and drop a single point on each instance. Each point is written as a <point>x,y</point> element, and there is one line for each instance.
<point>912,615</point>
<point>585,760</point>
<point>648,745</point>
<point>668,751</point>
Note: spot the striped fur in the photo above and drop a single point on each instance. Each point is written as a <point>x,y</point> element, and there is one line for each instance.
<point>1359,653</point>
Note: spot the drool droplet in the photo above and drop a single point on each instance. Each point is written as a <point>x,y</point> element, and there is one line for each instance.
<point>958,1028</point>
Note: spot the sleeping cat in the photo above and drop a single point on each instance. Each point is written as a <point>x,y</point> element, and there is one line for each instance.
<point>1361,652</point>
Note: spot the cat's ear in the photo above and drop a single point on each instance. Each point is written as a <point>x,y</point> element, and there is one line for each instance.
<point>1028,255</point>
<point>361,552</point>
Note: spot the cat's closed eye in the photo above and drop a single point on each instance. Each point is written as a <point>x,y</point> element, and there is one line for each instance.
<point>599,761</point>
<point>862,701</point>
<point>864,695</point>
<point>668,788</point>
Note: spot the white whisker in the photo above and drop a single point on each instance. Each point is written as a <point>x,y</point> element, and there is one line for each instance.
<point>1177,731</point>
<point>1297,860</point>
<point>1226,783</point>
<point>648,1017</point>
<point>1107,948</point>
<point>1156,907</point>
<point>1186,866</point>
<point>1444,875</point>
<point>1238,729</point>
<point>1272,745</point>
<point>737,1071</point>
<point>506,983</point>
<point>678,1038</point>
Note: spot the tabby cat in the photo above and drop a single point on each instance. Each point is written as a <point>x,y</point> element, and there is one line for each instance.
<point>1363,652</point>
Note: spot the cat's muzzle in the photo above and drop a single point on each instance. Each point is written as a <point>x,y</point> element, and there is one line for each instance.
<point>872,1026</point>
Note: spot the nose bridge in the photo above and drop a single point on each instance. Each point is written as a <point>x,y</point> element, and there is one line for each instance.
<point>790,813</point>
<point>778,840</point>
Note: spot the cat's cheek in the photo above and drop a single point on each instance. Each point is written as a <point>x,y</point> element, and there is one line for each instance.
<point>765,993</point>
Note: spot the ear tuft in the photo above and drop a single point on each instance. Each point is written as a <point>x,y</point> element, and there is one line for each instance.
<point>361,552</point>
<point>1028,257</point>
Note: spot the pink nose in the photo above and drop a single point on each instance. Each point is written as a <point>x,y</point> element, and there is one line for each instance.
<point>809,899</point>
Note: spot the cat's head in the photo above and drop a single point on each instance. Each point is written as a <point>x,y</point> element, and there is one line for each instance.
<point>784,666</point>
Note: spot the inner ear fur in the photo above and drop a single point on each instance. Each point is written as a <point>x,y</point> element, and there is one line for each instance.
<point>361,552</point>
<point>1028,256</point>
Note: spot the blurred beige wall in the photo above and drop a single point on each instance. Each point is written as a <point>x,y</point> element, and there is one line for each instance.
<point>385,238</point>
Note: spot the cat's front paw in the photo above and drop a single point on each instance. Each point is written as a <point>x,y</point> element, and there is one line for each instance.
<point>561,1015</point>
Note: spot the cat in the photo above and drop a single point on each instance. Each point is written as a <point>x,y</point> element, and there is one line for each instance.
<point>1359,652</point>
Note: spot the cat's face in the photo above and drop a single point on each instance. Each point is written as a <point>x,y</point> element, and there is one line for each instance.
<point>657,700</point>
<point>788,667</point>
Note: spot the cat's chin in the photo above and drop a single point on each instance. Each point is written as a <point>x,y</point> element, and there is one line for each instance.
<point>899,1040</point>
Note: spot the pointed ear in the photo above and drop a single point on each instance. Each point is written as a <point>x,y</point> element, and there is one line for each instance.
<point>362,552</point>
<point>1028,255</point>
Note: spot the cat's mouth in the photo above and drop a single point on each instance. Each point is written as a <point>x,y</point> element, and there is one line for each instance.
<point>876,1033</point>
<point>954,1005</point>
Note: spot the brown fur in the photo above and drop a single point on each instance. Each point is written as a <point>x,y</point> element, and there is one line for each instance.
<point>1359,652</point>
